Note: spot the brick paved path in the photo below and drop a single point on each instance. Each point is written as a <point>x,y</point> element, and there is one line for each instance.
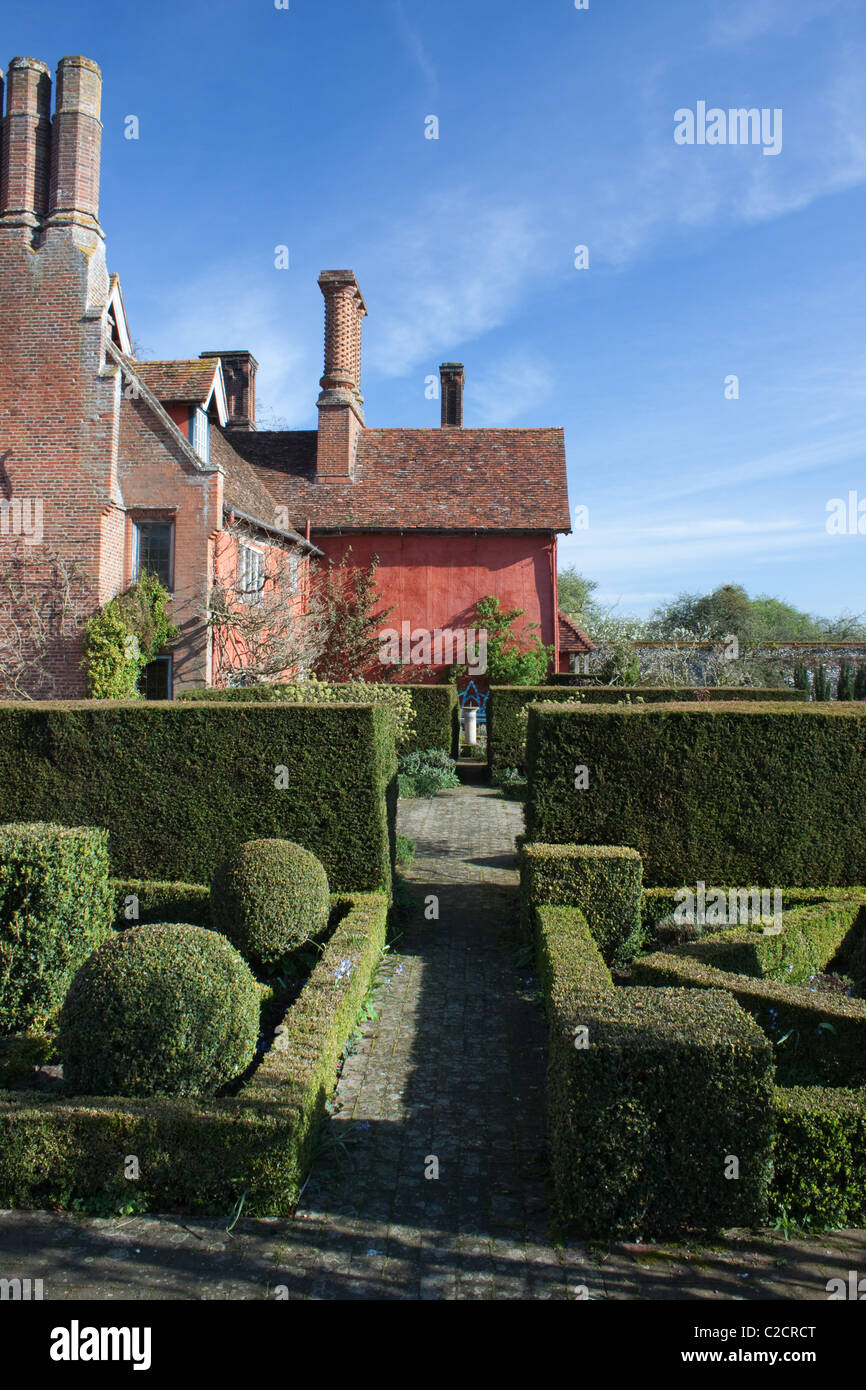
<point>452,1070</point>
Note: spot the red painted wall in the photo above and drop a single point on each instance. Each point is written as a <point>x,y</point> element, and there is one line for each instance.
<point>435,580</point>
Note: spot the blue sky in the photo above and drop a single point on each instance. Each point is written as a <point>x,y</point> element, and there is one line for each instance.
<point>305,127</point>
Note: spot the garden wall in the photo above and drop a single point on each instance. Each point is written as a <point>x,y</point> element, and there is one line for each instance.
<point>506,728</point>
<point>715,793</point>
<point>179,784</point>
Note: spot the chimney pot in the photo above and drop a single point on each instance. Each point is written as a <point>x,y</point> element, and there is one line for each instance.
<point>26,143</point>
<point>453,378</point>
<point>239,372</point>
<point>76,139</point>
<point>340,405</point>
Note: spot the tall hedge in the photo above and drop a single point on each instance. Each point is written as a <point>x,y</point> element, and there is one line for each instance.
<point>179,785</point>
<point>716,793</point>
<point>506,729</point>
<point>603,881</point>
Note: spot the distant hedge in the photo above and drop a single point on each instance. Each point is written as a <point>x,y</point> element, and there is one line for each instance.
<point>437,710</point>
<point>140,901</point>
<point>723,793</point>
<point>178,785</point>
<point>506,731</point>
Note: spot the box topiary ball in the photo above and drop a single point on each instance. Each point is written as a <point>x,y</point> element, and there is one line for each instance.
<point>160,1010</point>
<point>269,897</point>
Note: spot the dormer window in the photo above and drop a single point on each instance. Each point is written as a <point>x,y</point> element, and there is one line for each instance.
<point>200,433</point>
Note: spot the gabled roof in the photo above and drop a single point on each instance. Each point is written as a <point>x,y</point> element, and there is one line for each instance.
<point>117,309</point>
<point>196,382</point>
<point>245,494</point>
<point>430,479</point>
<point>571,637</point>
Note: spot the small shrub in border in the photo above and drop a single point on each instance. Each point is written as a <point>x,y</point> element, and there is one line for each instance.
<point>268,897</point>
<point>603,881</point>
<point>55,909</point>
<point>160,1010</point>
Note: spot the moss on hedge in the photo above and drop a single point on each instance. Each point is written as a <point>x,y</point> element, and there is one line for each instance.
<point>721,793</point>
<point>202,1156</point>
<point>181,784</point>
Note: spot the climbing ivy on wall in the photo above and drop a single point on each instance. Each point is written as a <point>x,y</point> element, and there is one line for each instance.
<point>123,637</point>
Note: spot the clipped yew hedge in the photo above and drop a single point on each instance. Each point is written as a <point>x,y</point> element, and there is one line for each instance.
<point>809,940</point>
<point>819,1156</point>
<point>721,793</point>
<point>180,784</point>
<point>506,725</point>
<point>202,1156</point>
<point>603,881</point>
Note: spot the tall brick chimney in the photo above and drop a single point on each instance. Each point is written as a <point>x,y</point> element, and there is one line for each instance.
<point>341,405</point>
<point>76,139</point>
<point>239,372</point>
<point>453,378</point>
<point>24,159</point>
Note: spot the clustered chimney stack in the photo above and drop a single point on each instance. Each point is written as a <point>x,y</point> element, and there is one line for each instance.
<point>239,373</point>
<point>453,378</point>
<point>340,405</point>
<point>49,171</point>
<point>24,160</point>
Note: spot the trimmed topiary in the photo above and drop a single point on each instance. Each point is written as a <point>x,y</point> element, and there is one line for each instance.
<point>160,1010</point>
<point>268,898</point>
<point>56,907</point>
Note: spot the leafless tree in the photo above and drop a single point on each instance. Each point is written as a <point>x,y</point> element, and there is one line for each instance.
<point>44,606</point>
<point>265,617</point>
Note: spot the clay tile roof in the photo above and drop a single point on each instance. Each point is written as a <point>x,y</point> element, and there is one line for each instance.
<point>243,489</point>
<point>571,637</point>
<point>179,381</point>
<point>432,479</point>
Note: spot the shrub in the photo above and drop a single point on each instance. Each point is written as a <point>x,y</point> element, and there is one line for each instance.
<point>819,1158</point>
<point>644,1118</point>
<point>55,909</point>
<point>819,1038</point>
<point>508,705</point>
<point>183,784</point>
<point>139,901</point>
<point>567,957</point>
<point>426,773</point>
<point>121,639</point>
<point>809,940</point>
<point>604,882</point>
<point>269,897</point>
<point>723,793</point>
<point>159,1010</point>
<point>395,699</point>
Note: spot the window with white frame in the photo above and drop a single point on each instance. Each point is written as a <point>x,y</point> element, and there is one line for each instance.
<point>251,571</point>
<point>200,434</point>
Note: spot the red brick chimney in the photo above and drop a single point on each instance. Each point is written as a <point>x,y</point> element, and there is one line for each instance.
<point>24,159</point>
<point>239,373</point>
<point>76,138</point>
<point>341,405</point>
<point>453,378</point>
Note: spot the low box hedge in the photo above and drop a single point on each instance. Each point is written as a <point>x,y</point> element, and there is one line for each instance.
<point>645,1118</point>
<point>180,784</point>
<point>819,1156</point>
<point>567,957</point>
<point>203,1156</point>
<point>603,881</point>
<point>506,725</point>
<point>724,793</point>
<point>658,903</point>
<point>825,1034</point>
<point>138,901</point>
<point>810,939</point>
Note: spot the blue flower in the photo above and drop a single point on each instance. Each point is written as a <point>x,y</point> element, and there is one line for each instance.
<point>343,972</point>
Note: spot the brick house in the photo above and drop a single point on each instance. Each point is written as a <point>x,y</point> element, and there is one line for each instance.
<point>159,465</point>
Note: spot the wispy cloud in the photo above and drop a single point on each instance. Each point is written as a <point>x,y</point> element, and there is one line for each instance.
<point>744,21</point>
<point>456,270</point>
<point>509,389</point>
<point>415,46</point>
